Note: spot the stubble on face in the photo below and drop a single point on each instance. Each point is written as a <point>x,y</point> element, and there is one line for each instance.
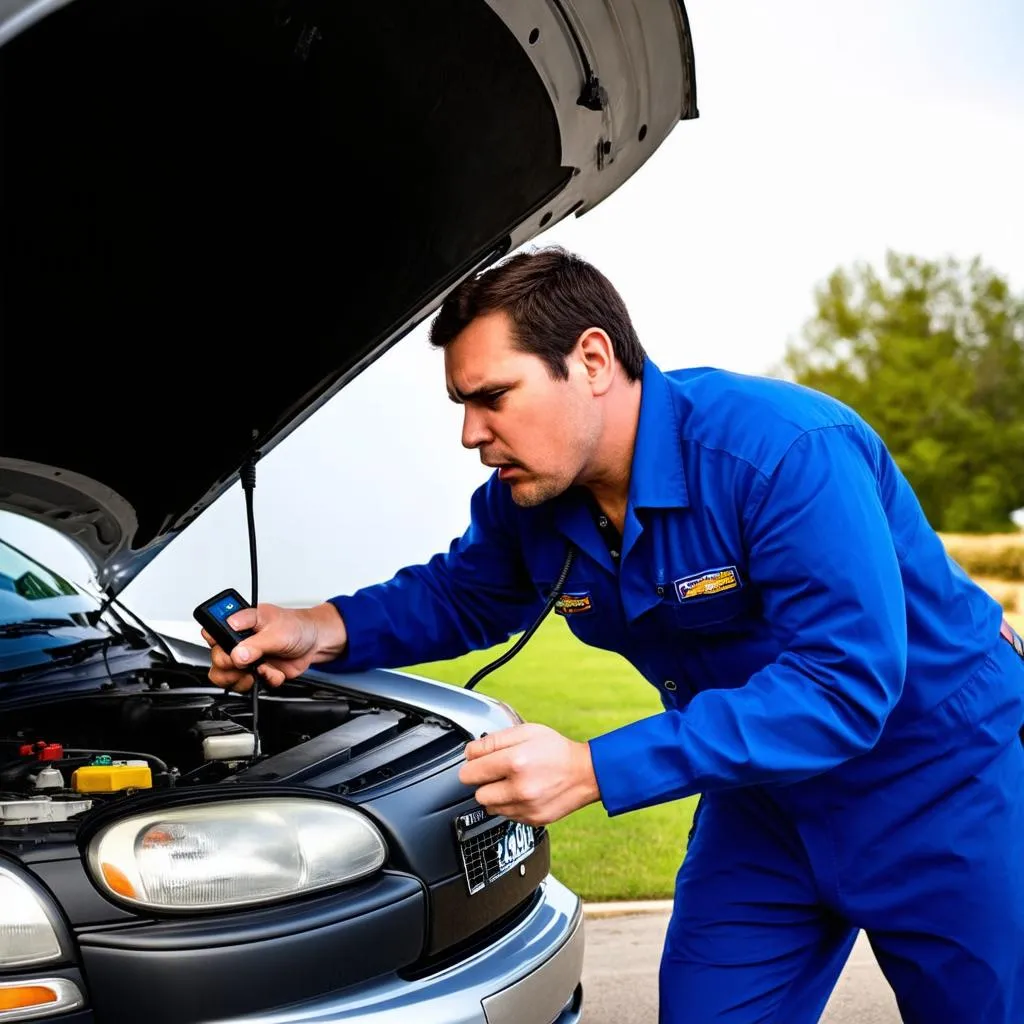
<point>573,442</point>
<point>529,493</point>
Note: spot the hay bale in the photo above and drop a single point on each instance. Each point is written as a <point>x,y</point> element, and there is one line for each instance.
<point>996,556</point>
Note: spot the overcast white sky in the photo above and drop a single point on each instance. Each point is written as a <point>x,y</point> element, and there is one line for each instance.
<point>827,134</point>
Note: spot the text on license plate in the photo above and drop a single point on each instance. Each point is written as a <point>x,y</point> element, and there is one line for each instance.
<point>515,845</point>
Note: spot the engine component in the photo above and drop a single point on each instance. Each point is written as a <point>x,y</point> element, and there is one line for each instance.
<point>224,740</point>
<point>21,774</point>
<point>164,712</point>
<point>40,808</point>
<point>43,751</point>
<point>113,777</point>
<point>50,778</point>
<point>305,717</point>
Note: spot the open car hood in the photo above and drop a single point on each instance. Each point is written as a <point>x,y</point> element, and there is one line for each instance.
<point>214,214</point>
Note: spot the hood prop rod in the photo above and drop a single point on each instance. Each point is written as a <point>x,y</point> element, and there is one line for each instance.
<point>248,479</point>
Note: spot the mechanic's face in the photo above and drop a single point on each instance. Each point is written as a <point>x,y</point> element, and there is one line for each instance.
<point>539,432</point>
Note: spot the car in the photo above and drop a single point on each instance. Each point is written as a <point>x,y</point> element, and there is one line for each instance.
<point>181,181</point>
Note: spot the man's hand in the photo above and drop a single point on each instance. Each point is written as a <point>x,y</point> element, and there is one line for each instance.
<point>288,639</point>
<point>530,773</point>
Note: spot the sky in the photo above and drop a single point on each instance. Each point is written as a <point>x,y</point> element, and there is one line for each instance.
<point>827,134</point>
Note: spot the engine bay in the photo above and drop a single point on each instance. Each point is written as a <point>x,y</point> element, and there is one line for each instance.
<point>165,728</point>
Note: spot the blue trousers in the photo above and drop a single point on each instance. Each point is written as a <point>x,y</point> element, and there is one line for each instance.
<point>920,844</point>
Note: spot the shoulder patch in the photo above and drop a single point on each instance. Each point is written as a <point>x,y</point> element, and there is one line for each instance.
<point>708,583</point>
<point>573,604</point>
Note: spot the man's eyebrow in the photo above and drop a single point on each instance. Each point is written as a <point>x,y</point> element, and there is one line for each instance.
<point>485,391</point>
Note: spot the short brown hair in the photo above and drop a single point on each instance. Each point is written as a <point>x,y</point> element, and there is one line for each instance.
<point>551,296</point>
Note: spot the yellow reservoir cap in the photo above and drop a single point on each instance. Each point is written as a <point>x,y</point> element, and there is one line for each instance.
<point>109,778</point>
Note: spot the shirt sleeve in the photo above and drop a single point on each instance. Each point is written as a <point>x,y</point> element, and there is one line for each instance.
<point>822,555</point>
<point>476,595</point>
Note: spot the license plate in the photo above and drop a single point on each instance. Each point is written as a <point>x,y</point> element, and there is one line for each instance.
<point>491,847</point>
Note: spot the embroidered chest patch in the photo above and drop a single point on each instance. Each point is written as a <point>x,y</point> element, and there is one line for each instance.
<point>707,583</point>
<point>572,604</point>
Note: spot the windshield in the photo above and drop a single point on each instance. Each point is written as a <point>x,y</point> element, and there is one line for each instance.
<point>40,612</point>
<point>29,590</point>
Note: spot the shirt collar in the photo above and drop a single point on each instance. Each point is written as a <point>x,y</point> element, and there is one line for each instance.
<point>656,479</point>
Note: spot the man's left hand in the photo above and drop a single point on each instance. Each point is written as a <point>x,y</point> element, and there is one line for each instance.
<point>530,773</point>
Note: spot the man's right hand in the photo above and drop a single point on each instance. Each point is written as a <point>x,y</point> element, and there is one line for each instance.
<point>289,639</point>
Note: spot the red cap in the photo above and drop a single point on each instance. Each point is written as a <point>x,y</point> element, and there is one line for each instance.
<point>43,751</point>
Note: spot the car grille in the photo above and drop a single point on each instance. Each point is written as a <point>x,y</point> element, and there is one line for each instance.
<point>480,854</point>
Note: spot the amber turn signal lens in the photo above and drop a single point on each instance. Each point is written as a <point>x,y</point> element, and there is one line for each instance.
<point>118,881</point>
<point>22,996</point>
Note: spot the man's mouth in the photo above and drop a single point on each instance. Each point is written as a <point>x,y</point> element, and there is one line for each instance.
<point>505,469</point>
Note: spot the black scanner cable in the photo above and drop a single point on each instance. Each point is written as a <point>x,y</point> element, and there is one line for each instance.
<point>556,593</point>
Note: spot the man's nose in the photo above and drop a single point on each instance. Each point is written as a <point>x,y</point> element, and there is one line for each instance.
<point>474,429</point>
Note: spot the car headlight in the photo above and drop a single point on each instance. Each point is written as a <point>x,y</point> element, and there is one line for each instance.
<point>26,932</point>
<point>219,855</point>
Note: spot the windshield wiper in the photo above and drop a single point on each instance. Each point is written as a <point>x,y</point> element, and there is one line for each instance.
<point>72,654</point>
<point>68,656</point>
<point>32,627</point>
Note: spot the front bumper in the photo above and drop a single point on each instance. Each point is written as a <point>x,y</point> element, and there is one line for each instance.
<point>529,976</point>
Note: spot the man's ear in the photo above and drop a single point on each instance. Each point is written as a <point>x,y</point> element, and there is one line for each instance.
<point>597,358</point>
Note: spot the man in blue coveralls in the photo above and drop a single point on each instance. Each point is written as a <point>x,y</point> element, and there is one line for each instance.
<point>847,701</point>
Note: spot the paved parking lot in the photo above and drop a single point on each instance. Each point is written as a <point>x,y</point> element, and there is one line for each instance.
<point>620,976</point>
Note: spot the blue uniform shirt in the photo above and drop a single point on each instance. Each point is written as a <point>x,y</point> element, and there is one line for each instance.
<point>778,584</point>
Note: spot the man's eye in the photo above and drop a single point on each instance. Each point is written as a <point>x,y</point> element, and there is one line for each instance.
<point>494,399</point>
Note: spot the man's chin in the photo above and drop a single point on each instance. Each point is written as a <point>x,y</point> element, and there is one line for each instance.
<point>530,493</point>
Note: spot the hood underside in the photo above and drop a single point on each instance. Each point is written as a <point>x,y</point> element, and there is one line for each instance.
<point>213,214</point>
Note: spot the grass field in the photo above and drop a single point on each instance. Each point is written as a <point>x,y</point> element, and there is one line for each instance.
<point>583,692</point>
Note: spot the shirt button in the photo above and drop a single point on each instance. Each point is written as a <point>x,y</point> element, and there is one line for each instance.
<point>602,521</point>
<point>661,591</point>
<point>669,685</point>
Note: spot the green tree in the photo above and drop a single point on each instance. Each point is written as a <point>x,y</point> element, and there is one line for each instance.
<point>931,354</point>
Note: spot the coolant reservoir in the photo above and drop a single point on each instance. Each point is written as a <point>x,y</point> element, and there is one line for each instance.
<point>109,778</point>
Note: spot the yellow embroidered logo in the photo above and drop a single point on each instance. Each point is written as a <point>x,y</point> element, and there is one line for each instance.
<point>570,604</point>
<point>708,583</point>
